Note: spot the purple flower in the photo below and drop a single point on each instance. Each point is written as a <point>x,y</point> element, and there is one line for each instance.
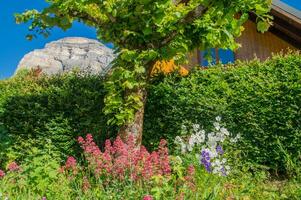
<point>223,171</point>
<point>219,149</point>
<point>207,165</point>
<point>205,160</point>
<point>205,155</point>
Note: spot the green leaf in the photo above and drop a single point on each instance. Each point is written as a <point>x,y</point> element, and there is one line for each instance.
<point>263,26</point>
<point>147,31</point>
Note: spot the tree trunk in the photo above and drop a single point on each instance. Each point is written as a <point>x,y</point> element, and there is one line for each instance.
<point>136,127</point>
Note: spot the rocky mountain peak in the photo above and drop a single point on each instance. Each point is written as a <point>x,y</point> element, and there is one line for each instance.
<point>86,55</point>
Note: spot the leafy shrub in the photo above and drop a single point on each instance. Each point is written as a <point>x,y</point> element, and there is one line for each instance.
<point>122,159</point>
<point>58,109</point>
<point>112,174</point>
<point>261,101</point>
<point>121,171</point>
<point>122,164</point>
<point>208,146</point>
<point>37,178</point>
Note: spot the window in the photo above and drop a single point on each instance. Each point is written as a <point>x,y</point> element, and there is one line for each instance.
<point>223,56</point>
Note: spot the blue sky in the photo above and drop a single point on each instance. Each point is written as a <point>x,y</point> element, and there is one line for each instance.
<point>12,37</point>
<point>294,3</point>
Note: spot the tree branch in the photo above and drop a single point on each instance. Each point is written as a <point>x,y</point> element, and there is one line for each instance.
<point>84,16</point>
<point>189,18</point>
<point>112,19</point>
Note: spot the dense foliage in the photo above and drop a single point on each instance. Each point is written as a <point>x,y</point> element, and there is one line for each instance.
<point>144,32</point>
<point>261,101</point>
<point>123,171</point>
<point>34,110</point>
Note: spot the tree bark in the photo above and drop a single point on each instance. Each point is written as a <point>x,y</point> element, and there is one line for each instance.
<point>136,127</point>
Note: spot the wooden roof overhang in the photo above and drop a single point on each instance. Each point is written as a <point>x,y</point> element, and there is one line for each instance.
<point>287,22</point>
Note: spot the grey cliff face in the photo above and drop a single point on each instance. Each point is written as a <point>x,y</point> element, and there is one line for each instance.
<point>86,55</point>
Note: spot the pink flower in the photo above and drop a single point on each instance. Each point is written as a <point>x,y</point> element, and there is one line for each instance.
<point>80,140</point>
<point>164,160</point>
<point>122,159</point>
<point>191,170</point>
<point>12,167</point>
<point>2,174</point>
<point>147,197</point>
<point>70,163</point>
<point>108,147</point>
<point>86,185</point>
<point>70,166</point>
<point>89,145</point>
<point>189,178</point>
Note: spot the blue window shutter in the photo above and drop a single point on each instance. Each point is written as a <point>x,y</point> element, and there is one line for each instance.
<point>204,61</point>
<point>226,56</point>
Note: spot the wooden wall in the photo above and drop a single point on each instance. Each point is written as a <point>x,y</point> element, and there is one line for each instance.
<point>260,45</point>
<point>254,44</point>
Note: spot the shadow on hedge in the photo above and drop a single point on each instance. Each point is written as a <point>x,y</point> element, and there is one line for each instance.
<point>51,110</point>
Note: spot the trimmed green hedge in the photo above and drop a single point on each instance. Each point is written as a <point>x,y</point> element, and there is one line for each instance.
<point>261,101</point>
<point>35,111</point>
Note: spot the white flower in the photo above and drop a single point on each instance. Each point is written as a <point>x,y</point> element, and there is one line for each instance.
<point>196,127</point>
<point>178,140</point>
<point>189,147</point>
<point>183,148</point>
<point>208,142</point>
<point>216,125</point>
<point>213,153</point>
<point>211,143</point>
<point>201,132</point>
<point>211,134</point>
<point>224,131</point>
<point>218,118</point>
<point>217,162</point>
<point>212,140</point>
<point>222,138</point>
<point>233,140</point>
<point>215,171</point>
<point>200,137</point>
<point>191,142</point>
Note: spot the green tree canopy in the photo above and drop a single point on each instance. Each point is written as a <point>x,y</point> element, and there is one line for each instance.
<point>144,31</point>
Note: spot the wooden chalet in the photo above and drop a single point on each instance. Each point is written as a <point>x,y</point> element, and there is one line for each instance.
<point>283,35</point>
